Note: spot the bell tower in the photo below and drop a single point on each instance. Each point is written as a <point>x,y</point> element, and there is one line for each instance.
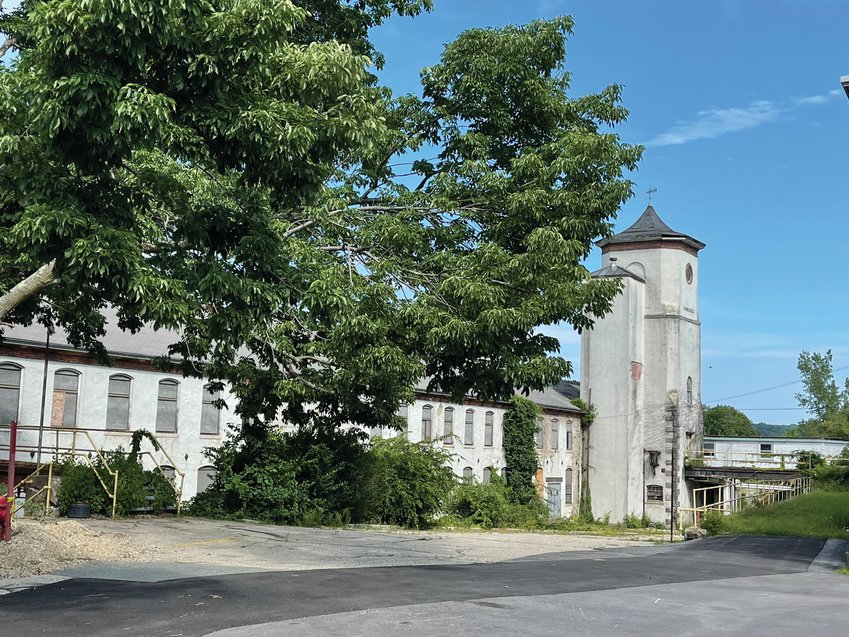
<point>641,370</point>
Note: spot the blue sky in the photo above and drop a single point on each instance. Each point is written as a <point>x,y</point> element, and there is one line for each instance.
<point>747,133</point>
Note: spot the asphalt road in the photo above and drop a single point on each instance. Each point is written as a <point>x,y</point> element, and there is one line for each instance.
<point>715,585</point>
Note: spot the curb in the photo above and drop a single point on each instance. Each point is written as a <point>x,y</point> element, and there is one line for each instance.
<point>831,557</point>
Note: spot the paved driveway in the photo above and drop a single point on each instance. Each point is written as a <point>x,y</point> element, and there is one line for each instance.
<point>744,586</point>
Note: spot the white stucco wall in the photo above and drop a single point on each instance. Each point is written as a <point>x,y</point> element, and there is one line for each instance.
<point>737,452</point>
<point>185,447</point>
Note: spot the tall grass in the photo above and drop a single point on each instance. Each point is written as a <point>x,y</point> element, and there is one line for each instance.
<point>818,514</point>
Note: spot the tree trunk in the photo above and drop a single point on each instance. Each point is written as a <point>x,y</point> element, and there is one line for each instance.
<point>30,286</point>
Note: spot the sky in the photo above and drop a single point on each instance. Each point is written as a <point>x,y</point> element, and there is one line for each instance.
<point>746,129</point>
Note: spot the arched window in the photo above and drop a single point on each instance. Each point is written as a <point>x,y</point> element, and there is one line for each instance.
<point>487,474</point>
<point>427,422</point>
<point>488,425</point>
<point>206,475</point>
<point>210,414</point>
<point>169,473</point>
<point>448,426</point>
<point>118,403</point>
<point>166,406</point>
<point>468,473</point>
<point>66,383</point>
<point>568,428</point>
<point>469,437</point>
<point>404,413</point>
<point>567,487</point>
<point>10,392</point>
<point>555,434</point>
<point>540,425</point>
<point>689,391</point>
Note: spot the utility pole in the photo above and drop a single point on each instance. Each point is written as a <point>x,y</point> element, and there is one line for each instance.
<point>672,416</point>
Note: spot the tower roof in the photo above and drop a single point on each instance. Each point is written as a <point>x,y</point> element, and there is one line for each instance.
<point>650,227</point>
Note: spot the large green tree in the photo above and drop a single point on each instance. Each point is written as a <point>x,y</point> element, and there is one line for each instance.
<point>724,420</point>
<point>231,169</point>
<point>821,396</point>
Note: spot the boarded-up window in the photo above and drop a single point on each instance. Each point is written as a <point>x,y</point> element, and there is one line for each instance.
<point>488,425</point>
<point>206,475</point>
<point>568,428</point>
<point>468,474</point>
<point>210,414</point>
<point>65,387</point>
<point>555,433</point>
<point>118,403</point>
<point>469,437</point>
<point>567,487</point>
<point>487,474</point>
<point>654,493</point>
<point>689,391</point>
<point>166,406</point>
<point>10,392</point>
<point>540,425</point>
<point>448,426</point>
<point>427,422</point>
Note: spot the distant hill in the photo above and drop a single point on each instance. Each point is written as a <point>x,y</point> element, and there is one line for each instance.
<point>772,431</point>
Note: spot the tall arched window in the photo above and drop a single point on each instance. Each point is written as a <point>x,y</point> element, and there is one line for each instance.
<point>488,426</point>
<point>568,428</point>
<point>404,413</point>
<point>567,487</point>
<point>469,437</point>
<point>205,477</point>
<point>540,425</point>
<point>468,473</point>
<point>118,403</point>
<point>210,414</point>
<point>689,390</point>
<point>487,474</point>
<point>66,383</point>
<point>427,422</point>
<point>10,392</point>
<point>166,406</point>
<point>448,426</point>
<point>555,434</point>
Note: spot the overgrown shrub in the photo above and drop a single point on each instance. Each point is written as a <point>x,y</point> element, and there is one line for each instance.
<point>633,521</point>
<point>482,504</point>
<point>533,515</point>
<point>406,483</point>
<point>79,484</point>
<point>809,461</point>
<point>713,521</point>
<point>520,454</point>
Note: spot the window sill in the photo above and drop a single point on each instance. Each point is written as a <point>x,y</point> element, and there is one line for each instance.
<point>208,435</point>
<point>166,434</point>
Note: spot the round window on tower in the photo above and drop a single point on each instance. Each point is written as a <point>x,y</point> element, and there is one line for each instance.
<point>688,273</point>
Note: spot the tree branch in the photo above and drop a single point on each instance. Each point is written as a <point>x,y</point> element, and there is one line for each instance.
<point>27,288</point>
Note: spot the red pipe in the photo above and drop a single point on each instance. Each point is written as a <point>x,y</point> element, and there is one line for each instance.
<point>10,496</point>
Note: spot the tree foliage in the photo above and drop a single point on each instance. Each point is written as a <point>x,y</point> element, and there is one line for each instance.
<point>231,169</point>
<point>724,420</point>
<point>520,424</point>
<point>828,403</point>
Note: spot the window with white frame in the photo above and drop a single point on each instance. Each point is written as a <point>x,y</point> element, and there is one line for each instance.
<point>448,426</point>
<point>488,426</point>
<point>206,476</point>
<point>766,450</point>
<point>427,422</point>
<point>469,434</point>
<point>118,403</point>
<point>555,434</point>
<point>568,428</point>
<point>10,392</point>
<point>709,449</point>
<point>66,383</point>
<point>210,414</point>
<point>166,406</point>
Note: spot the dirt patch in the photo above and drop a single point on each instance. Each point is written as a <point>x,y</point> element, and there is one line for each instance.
<point>44,546</point>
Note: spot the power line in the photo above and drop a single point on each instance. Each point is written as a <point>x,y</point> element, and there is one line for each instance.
<point>766,389</point>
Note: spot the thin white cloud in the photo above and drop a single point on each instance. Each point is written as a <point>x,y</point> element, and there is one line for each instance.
<point>716,122</point>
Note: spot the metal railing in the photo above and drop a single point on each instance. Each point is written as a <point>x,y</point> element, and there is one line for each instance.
<point>77,442</point>
<point>738,495</point>
<point>753,460</point>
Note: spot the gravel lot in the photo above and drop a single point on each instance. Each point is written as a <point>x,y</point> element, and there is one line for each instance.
<point>48,545</point>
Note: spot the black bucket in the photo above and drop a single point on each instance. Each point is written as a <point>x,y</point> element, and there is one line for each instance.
<point>79,510</point>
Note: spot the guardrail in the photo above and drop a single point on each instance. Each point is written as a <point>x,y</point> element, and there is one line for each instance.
<point>754,460</point>
<point>738,495</point>
<point>78,442</point>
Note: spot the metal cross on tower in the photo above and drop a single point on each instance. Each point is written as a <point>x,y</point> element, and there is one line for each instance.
<point>650,192</point>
